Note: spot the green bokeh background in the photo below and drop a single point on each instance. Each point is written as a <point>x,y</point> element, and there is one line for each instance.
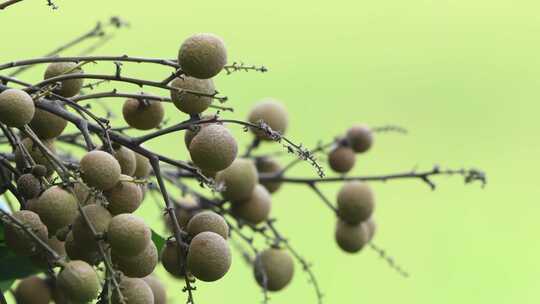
<point>461,75</point>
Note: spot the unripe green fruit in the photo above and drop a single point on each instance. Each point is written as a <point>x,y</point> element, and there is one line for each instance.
<point>341,159</point>
<point>202,56</point>
<point>140,265</point>
<point>19,240</point>
<point>371,226</point>
<point>98,217</point>
<point>143,116</point>
<point>268,165</point>
<point>256,209</point>
<point>16,108</point>
<point>239,179</point>
<point>47,125</point>
<point>360,138</point>
<point>125,197</point>
<point>128,235</point>
<point>213,148</point>
<point>126,159</point>
<point>33,290</point>
<point>99,169</point>
<point>79,282</point>
<point>36,154</point>
<point>158,289</point>
<point>355,202</point>
<point>29,186</point>
<point>208,221</point>
<point>170,261</point>
<point>142,166</point>
<point>68,88</point>
<point>351,238</point>
<point>56,207</point>
<point>209,256</point>
<point>273,269</point>
<point>273,113</point>
<point>77,251</point>
<point>191,103</point>
<point>134,291</point>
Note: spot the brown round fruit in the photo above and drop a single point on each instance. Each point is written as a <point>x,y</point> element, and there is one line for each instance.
<point>208,221</point>
<point>128,235</point>
<point>99,169</point>
<point>273,113</point>
<point>18,239</point>
<point>35,152</point>
<point>190,103</point>
<point>28,186</point>
<point>170,261</point>
<point>209,256</point>
<point>134,291</point>
<point>371,227</point>
<point>213,148</point>
<point>269,165</point>
<point>126,159</point>
<point>351,238</point>
<point>355,202</point>
<point>202,56</point>
<point>140,265</point>
<point>341,159</point>
<point>273,269</point>
<point>360,138</point>
<point>68,88</point>
<point>239,179</point>
<point>98,217</point>
<point>16,108</point>
<point>143,115</point>
<point>56,207</point>
<point>256,209</point>
<point>186,208</point>
<point>78,251</point>
<point>142,167</point>
<point>125,197</point>
<point>158,289</point>
<point>47,125</point>
<point>79,282</point>
<point>33,290</point>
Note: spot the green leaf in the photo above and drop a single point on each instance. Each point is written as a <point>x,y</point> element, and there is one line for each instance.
<point>5,285</point>
<point>158,240</point>
<point>14,266</point>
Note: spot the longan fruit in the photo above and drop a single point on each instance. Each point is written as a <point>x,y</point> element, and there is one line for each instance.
<point>41,259</point>
<point>134,291</point>
<point>99,169</point>
<point>341,159</point>
<point>47,125</point>
<point>355,202</point>
<point>68,88</point>
<point>170,261</point>
<point>28,186</point>
<point>19,240</point>
<point>126,159</point>
<point>16,108</point>
<point>209,256</point>
<point>239,179</point>
<point>77,251</point>
<point>273,113</point>
<point>84,194</point>
<point>202,55</point>
<point>256,209</point>
<point>143,115</point>
<point>99,218</point>
<point>208,221</point>
<point>351,238</point>
<point>191,103</point>
<point>158,289</point>
<point>35,152</point>
<point>371,227</point>
<point>140,265</point>
<point>267,165</point>
<point>360,138</point>
<point>79,282</point>
<point>128,235</point>
<point>190,134</point>
<point>142,166</point>
<point>39,171</point>
<point>56,207</point>
<point>33,290</point>
<point>273,269</point>
<point>213,148</point>
<point>125,197</point>
<point>186,208</point>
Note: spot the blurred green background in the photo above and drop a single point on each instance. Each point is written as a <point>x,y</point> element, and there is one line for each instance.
<point>462,76</point>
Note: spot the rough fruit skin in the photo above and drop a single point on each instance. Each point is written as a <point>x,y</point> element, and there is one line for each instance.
<point>360,138</point>
<point>99,169</point>
<point>140,265</point>
<point>355,202</point>
<point>29,186</point>
<point>208,221</point>
<point>256,209</point>
<point>276,267</point>
<point>209,256</point>
<point>170,261</point>
<point>79,282</point>
<point>191,103</point>
<point>78,251</point>
<point>142,166</point>
<point>35,153</point>
<point>56,207</point>
<point>99,217</point>
<point>18,240</point>
<point>351,238</point>
<point>134,291</point>
<point>213,148</point>
<point>68,88</point>
<point>125,197</point>
<point>16,108</point>
<point>158,289</point>
<point>143,117</point>
<point>202,56</point>
<point>126,160</point>
<point>190,134</point>
<point>239,179</point>
<point>128,235</point>
<point>273,113</point>
<point>47,125</point>
<point>33,290</point>
<point>268,165</point>
<point>341,159</point>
